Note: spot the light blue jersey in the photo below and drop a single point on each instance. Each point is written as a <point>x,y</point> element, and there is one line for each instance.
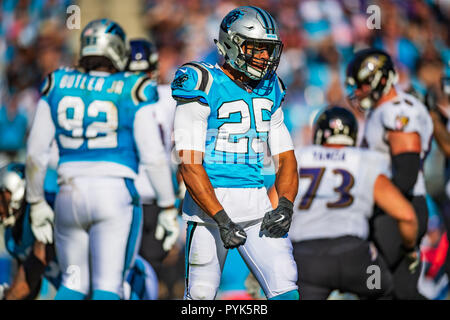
<point>238,123</point>
<point>94,113</point>
<point>19,239</point>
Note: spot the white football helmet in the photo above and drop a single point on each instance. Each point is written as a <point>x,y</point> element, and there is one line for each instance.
<point>249,28</point>
<point>12,179</point>
<point>105,38</point>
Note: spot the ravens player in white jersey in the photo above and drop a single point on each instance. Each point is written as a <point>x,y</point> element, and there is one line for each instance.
<point>98,116</point>
<point>155,246</point>
<point>339,184</point>
<point>399,126</point>
<point>225,114</point>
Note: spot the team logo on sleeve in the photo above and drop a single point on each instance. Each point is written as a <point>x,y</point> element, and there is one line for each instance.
<point>178,82</point>
<point>401,122</point>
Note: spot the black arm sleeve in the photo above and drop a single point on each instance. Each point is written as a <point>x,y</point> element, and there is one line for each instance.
<point>34,270</point>
<point>405,169</point>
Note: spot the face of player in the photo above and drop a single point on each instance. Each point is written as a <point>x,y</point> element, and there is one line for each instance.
<point>5,199</point>
<point>362,92</point>
<point>259,53</point>
<point>358,96</point>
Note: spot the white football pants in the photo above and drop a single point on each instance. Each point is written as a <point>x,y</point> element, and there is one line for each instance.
<point>269,259</point>
<point>98,224</point>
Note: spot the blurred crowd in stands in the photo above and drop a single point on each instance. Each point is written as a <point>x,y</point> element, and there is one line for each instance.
<point>319,38</point>
<point>32,44</point>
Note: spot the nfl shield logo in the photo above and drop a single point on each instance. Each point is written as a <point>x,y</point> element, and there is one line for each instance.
<point>401,122</point>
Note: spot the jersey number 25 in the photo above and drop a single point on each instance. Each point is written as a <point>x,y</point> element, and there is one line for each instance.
<point>234,137</point>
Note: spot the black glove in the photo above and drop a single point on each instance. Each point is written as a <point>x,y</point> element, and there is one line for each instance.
<point>431,100</point>
<point>277,222</point>
<point>232,234</point>
<point>412,256</point>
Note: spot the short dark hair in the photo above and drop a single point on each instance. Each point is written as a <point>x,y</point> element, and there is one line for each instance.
<point>89,63</point>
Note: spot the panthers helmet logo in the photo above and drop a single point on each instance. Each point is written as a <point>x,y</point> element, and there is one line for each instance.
<point>230,19</point>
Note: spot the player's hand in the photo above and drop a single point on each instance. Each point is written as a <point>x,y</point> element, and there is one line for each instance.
<point>412,256</point>
<point>232,234</point>
<point>168,226</point>
<point>276,223</point>
<point>42,216</point>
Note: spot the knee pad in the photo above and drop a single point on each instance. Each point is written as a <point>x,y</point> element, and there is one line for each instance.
<point>201,292</point>
<point>290,295</point>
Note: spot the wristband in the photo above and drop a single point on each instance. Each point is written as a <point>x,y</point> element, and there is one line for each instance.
<point>221,218</point>
<point>284,202</point>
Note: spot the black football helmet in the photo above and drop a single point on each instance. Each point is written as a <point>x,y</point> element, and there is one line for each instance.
<point>143,57</point>
<point>370,75</point>
<point>336,125</point>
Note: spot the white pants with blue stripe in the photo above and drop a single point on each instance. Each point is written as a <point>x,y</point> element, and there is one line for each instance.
<point>269,259</point>
<point>98,225</point>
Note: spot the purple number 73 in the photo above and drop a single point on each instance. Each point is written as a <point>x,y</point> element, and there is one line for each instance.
<point>316,174</point>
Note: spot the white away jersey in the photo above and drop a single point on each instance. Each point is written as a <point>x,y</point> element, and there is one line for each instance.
<point>335,195</point>
<point>164,111</point>
<point>406,114</point>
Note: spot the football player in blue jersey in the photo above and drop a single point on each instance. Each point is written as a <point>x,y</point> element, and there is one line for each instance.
<point>35,259</point>
<point>225,117</point>
<point>98,116</point>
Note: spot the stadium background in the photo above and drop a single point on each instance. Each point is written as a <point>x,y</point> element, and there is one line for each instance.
<point>319,37</point>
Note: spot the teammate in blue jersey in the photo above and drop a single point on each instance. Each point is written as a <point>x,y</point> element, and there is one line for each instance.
<point>35,259</point>
<point>225,118</point>
<point>98,116</point>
